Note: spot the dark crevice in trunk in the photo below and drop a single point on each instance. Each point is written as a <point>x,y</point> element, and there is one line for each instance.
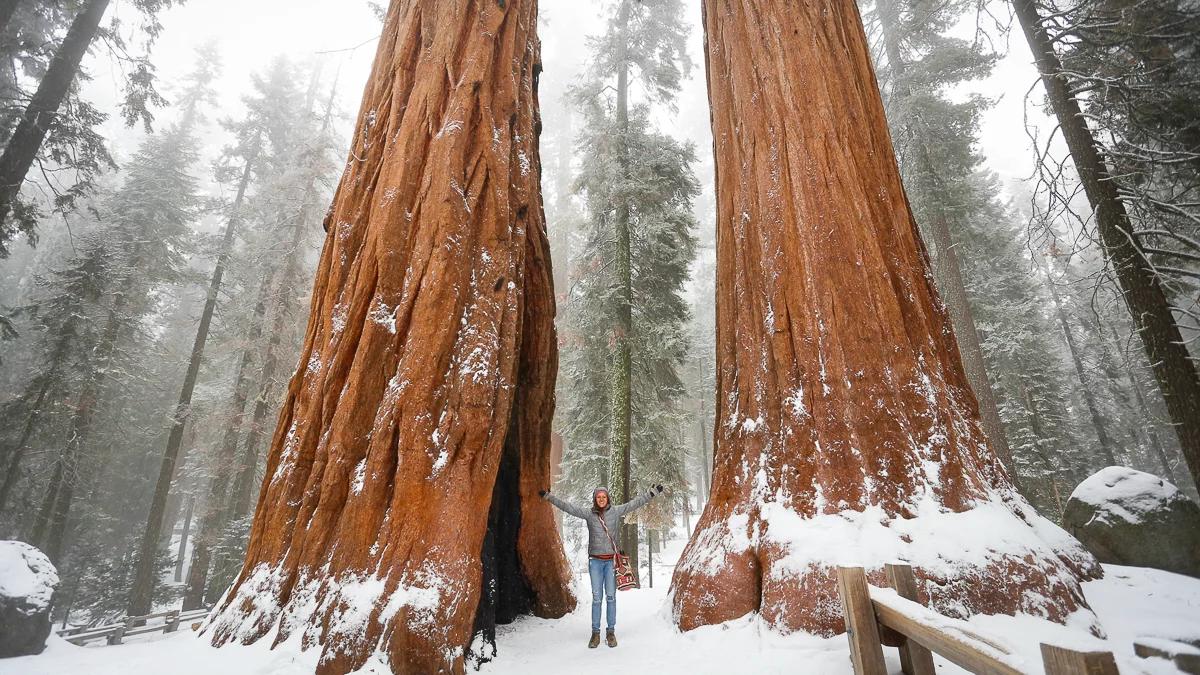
<point>505,593</point>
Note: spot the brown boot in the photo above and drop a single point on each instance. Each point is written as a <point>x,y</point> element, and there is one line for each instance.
<point>595,641</point>
<point>610,638</point>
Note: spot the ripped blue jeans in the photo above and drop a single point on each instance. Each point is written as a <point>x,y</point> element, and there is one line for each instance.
<point>604,583</point>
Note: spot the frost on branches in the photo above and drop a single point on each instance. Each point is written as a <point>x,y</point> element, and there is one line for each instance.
<point>398,518</point>
<point>846,432</point>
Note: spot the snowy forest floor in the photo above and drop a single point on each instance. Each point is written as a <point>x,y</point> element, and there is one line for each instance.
<point>1131,603</point>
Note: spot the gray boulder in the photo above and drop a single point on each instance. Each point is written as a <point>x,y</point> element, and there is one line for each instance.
<point>1129,517</point>
<point>27,584</point>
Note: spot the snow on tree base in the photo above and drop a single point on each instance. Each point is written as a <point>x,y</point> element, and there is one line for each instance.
<point>998,557</point>
<point>353,602</point>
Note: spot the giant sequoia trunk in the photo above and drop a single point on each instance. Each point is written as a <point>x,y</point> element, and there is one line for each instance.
<point>403,475</point>
<point>845,430</point>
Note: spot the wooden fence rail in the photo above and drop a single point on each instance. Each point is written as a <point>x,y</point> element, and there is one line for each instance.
<point>114,633</point>
<point>922,632</point>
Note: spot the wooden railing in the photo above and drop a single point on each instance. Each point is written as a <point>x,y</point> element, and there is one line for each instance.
<point>923,632</point>
<point>114,633</point>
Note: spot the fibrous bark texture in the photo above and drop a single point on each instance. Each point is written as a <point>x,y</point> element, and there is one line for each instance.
<point>421,409</point>
<point>845,431</point>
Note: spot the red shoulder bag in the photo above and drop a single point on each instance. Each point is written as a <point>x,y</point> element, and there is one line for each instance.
<point>626,576</point>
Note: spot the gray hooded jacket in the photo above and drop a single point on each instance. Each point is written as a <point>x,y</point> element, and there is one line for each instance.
<point>598,541</point>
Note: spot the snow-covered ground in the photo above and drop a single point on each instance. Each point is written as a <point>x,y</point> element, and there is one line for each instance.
<point>1131,603</point>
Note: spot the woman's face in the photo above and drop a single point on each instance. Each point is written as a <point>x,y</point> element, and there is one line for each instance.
<point>602,500</point>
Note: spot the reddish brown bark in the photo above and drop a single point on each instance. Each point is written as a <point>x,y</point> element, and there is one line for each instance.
<point>431,327</point>
<point>846,430</point>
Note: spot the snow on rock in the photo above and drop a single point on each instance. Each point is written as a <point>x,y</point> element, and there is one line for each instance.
<point>1129,517</point>
<point>26,574</point>
<point>1128,494</point>
<point>27,584</point>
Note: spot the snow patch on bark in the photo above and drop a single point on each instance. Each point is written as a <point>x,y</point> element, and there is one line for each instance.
<point>360,476</point>
<point>385,316</point>
<point>450,128</point>
<point>287,456</point>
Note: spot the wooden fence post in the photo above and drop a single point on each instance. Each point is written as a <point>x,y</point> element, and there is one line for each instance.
<point>114,638</point>
<point>915,659</point>
<point>1063,661</point>
<point>172,621</point>
<point>862,629</point>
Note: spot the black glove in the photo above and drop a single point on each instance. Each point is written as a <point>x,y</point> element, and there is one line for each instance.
<point>658,488</point>
<point>543,493</point>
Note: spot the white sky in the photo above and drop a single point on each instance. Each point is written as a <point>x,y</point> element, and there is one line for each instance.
<point>249,33</point>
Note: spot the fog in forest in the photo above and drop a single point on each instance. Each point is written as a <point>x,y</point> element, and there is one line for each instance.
<point>157,263</point>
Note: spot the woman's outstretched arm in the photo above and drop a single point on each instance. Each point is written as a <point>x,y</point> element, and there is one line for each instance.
<point>637,502</point>
<point>566,506</point>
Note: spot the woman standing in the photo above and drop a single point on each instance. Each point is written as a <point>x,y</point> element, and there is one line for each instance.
<point>602,519</point>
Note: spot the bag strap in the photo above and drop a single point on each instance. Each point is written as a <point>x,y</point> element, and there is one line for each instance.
<point>616,551</point>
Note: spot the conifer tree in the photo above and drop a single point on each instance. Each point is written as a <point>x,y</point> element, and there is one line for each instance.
<point>1143,289</point>
<point>625,335</point>
<point>1021,346</point>
<point>934,141</point>
<point>292,143</point>
<point>51,126</point>
<point>146,235</point>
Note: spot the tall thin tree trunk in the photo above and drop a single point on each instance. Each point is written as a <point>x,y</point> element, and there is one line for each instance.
<point>622,376</point>
<point>16,452</point>
<point>705,456</point>
<point>650,557</point>
<point>1139,397</point>
<point>51,527</point>
<point>26,140</point>
<point>1049,468</point>
<point>217,504</point>
<point>142,594</point>
<point>247,465</point>
<point>1088,386</point>
<point>563,174</point>
<point>1140,286</point>
<point>183,537</point>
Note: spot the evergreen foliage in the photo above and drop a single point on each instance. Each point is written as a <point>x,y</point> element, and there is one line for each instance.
<point>1136,68</point>
<point>628,169</point>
